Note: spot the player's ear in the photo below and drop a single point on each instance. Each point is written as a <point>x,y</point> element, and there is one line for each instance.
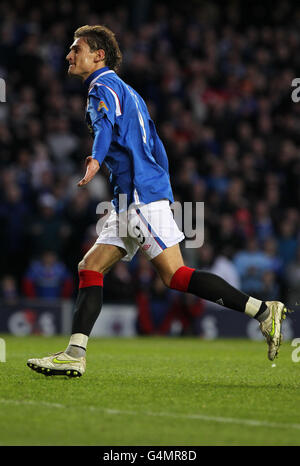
<point>100,55</point>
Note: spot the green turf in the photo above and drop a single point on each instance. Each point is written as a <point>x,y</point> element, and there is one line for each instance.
<point>157,387</point>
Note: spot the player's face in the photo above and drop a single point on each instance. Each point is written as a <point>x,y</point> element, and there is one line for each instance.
<point>82,61</point>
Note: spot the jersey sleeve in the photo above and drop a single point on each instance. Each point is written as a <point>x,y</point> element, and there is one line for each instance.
<point>103,101</point>
<point>102,112</point>
<point>102,140</point>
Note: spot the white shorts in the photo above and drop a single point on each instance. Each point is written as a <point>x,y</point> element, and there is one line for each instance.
<point>148,227</point>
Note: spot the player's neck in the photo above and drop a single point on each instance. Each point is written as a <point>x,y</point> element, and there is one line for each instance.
<point>94,75</point>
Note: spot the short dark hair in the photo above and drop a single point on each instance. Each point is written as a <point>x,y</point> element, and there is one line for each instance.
<point>100,37</point>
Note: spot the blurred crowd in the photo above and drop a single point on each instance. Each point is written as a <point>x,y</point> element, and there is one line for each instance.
<point>217,79</point>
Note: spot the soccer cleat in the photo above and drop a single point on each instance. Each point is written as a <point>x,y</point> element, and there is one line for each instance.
<point>271,327</point>
<point>59,364</point>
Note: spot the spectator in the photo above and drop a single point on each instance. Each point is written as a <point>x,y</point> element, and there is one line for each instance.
<point>119,286</point>
<point>14,212</point>
<point>160,308</point>
<point>47,230</point>
<point>270,248</point>
<point>225,268</point>
<point>269,290</point>
<point>9,289</point>
<point>47,278</point>
<point>263,222</point>
<point>251,263</point>
<point>292,282</point>
<point>287,242</point>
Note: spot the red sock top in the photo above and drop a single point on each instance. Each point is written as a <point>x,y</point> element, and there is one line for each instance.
<point>181,278</point>
<point>90,278</point>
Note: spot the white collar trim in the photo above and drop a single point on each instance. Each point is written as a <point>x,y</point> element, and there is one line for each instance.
<point>101,74</point>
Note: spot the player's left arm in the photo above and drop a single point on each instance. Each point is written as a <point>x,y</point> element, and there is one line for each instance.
<point>103,136</point>
<point>102,123</point>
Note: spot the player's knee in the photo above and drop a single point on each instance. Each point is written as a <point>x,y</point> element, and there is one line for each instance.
<point>86,264</point>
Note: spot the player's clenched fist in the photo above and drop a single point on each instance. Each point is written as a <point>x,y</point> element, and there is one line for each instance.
<point>92,166</point>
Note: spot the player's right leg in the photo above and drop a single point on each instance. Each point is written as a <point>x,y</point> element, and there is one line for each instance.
<point>211,287</point>
<point>71,362</point>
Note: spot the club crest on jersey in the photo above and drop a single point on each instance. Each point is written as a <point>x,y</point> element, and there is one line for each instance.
<point>102,105</point>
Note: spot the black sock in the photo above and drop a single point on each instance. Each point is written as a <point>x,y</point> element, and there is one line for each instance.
<point>213,288</point>
<point>87,309</point>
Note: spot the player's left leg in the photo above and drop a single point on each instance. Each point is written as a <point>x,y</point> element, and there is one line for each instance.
<point>107,251</point>
<point>176,275</point>
<point>72,362</point>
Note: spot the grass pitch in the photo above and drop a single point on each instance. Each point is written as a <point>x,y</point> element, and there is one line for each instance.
<point>152,391</point>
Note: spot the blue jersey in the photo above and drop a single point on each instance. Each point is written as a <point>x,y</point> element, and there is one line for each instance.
<point>125,139</point>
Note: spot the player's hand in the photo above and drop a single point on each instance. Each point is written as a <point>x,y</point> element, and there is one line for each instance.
<point>92,166</point>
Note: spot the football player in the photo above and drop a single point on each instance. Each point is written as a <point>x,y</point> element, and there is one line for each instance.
<point>126,141</point>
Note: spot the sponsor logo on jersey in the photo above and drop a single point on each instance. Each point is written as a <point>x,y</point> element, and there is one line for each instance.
<point>102,105</point>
